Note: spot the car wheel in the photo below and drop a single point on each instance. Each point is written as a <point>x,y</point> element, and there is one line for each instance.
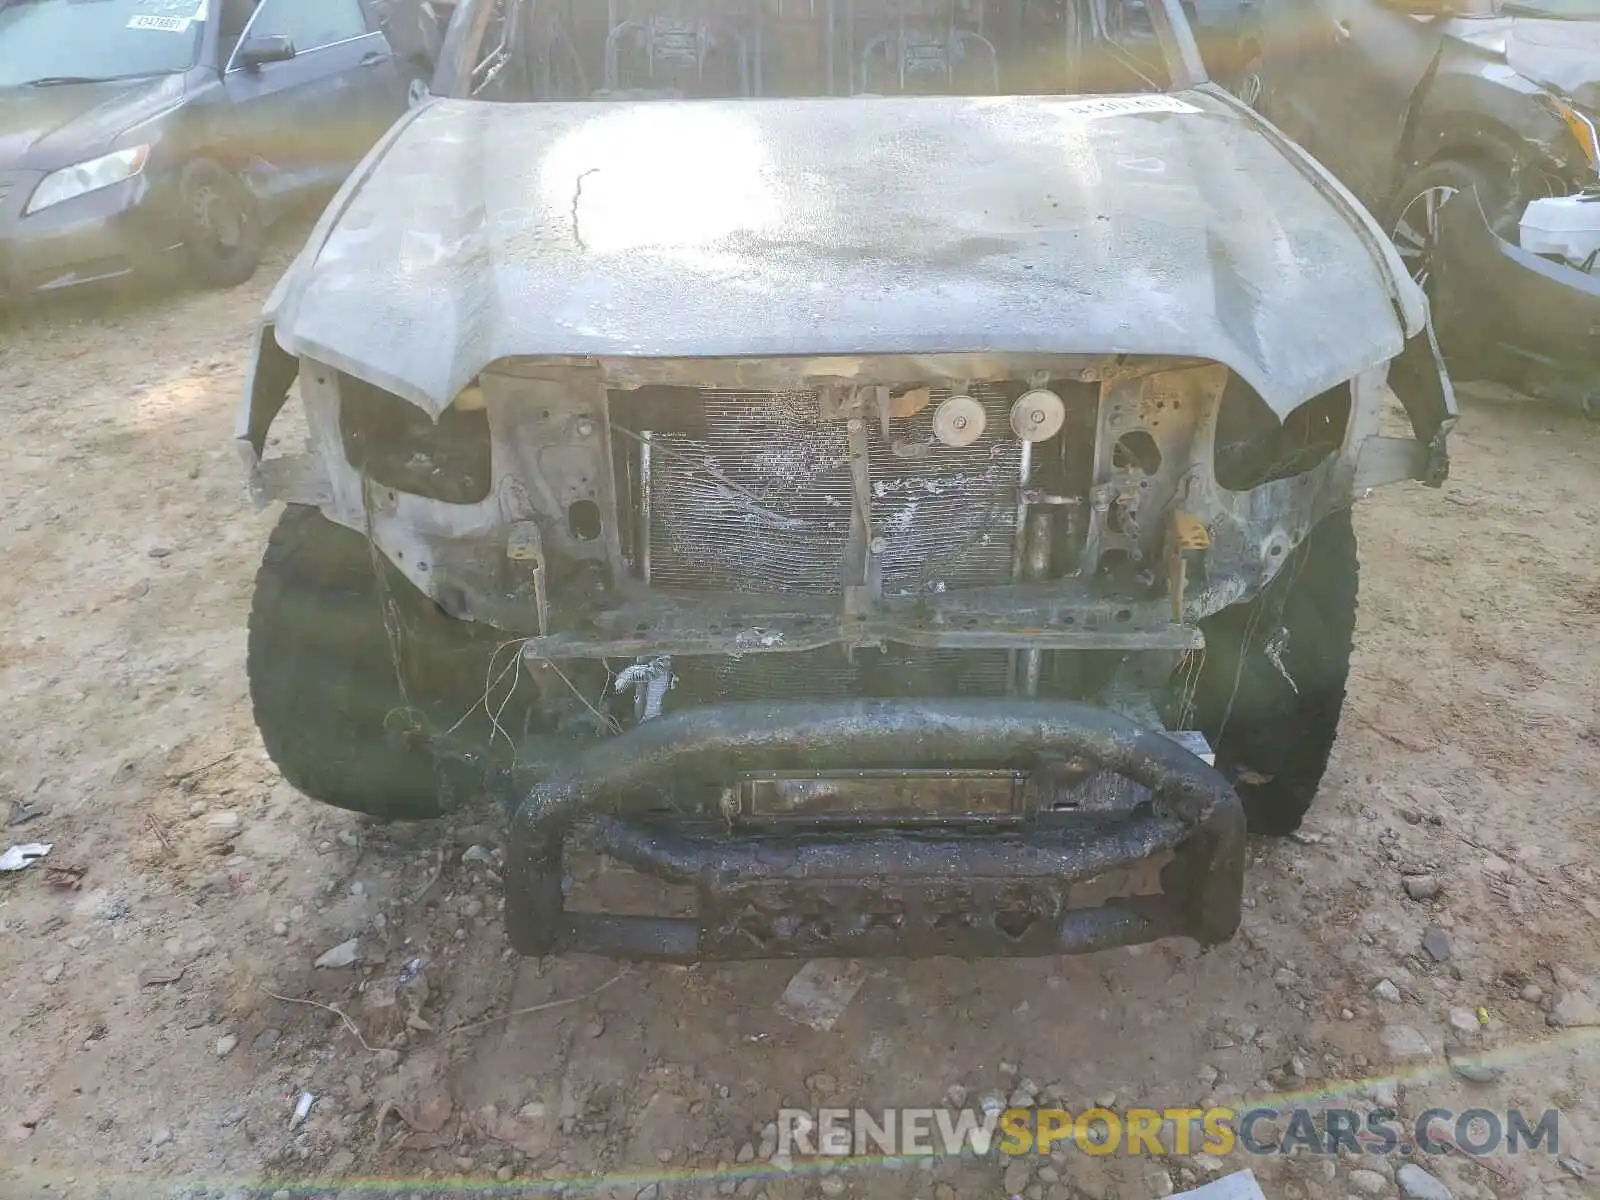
<point>1248,83</point>
<point>1414,226</point>
<point>1268,689</point>
<point>221,225</point>
<point>366,695</point>
<point>418,75</point>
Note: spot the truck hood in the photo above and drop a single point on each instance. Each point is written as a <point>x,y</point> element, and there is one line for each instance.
<point>1564,55</point>
<point>1175,224</point>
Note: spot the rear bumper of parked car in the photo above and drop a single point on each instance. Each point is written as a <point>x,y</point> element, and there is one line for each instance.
<point>1535,306</point>
<point>126,229</point>
<point>1049,879</point>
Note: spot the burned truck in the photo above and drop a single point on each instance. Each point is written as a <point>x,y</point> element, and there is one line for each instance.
<point>877,475</point>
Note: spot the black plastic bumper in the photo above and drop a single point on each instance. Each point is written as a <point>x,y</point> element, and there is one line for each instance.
<point>881,891</point>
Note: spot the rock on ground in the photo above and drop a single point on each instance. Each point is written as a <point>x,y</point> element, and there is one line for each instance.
<point>1417,1184</point>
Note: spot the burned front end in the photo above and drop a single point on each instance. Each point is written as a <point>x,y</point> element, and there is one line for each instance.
<point>870,656</point>
<point>850,533</point>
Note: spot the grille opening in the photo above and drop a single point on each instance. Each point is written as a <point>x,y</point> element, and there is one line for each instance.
<point>397,445</point>
<point>1253,448</point>
<point>750,491</point>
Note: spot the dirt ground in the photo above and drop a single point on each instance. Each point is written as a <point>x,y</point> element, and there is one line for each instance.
<point>161,1017</point>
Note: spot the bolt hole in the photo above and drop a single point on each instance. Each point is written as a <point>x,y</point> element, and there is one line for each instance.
<point>642,627</point>
<point>583,520</point>
<point>1275,551</point>
<point>1124,616</point>
<point>544,414</point>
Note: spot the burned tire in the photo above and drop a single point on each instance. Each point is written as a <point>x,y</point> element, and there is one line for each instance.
<point>1269,687</point>
<point>221,223</point>
<point>323,682</point>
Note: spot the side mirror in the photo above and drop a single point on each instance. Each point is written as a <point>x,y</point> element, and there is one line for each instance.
<point>259,49</point>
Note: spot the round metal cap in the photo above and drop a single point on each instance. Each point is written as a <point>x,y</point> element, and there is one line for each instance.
<point>1038,415</point>
<point>959,421</point>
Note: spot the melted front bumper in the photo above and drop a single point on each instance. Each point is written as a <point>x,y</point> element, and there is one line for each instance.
<point>1055,881</point>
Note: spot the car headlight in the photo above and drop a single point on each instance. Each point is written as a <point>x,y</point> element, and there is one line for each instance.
<point>90,176</point>
<point>1583,128</point>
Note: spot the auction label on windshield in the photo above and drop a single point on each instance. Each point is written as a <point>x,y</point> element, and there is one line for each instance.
<point>1117,106</point>
<point>164,24</point>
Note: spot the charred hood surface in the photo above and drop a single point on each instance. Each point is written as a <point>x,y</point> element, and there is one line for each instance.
<point>765,228</point>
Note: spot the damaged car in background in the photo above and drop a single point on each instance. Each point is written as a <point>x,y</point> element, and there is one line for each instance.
<point>909,523</point>
<point>1472,126</point>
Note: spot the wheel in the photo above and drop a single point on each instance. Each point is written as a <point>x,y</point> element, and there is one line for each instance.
<point>221,225</point>
<point>1269,686</point>
<point>1248,82</point>
<point>418,74</point>
<point>324,683</point>
<point>1414,226</point>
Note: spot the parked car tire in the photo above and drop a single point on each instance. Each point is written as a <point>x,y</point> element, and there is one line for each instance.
<point>324,683</point>
<point>1268,689</point>
<point>418,75</point>
<point>1457,320</point>
<point>221,221</point>
<point>1247,80</point>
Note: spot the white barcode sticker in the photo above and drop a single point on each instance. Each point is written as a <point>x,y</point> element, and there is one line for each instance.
<point>161,24</point>
<point>1118,106</point>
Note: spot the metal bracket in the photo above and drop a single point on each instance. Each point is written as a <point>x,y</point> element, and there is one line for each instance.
<point>525,550</point>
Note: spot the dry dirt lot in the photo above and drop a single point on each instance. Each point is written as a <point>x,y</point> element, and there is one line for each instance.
<point>160,1020</point>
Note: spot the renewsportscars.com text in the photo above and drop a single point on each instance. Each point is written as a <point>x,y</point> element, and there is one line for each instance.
<point>1261,1130</point>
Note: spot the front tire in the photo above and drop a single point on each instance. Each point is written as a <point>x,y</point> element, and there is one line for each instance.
<point>1269,687</point>
<point>326,677</point>
<point>221,223</point>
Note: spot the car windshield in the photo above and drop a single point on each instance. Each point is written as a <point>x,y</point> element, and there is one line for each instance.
<point>59,41</point>
<point>518,50</point>
<point>1564,10</point>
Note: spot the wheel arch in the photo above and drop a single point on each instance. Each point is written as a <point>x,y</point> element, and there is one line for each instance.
<point>1491,123</point>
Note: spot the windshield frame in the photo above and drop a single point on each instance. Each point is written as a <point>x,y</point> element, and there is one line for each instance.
<point>200,25</point>
<point>471,23</point>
